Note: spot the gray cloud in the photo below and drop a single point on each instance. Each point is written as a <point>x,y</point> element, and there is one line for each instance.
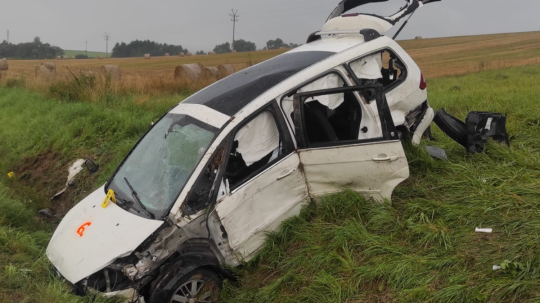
<point>202,24</point>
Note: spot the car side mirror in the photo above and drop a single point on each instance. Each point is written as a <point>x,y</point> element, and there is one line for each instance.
<point>91,166</point>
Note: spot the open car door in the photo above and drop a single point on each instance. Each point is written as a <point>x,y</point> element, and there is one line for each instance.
<point>347,5</point>
<point>332,155</point>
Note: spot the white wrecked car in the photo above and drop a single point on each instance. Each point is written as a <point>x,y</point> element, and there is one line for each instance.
<point>202,188</point>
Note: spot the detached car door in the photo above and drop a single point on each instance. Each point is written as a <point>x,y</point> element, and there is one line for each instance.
<point>263,184</point>
<point>333,157</point>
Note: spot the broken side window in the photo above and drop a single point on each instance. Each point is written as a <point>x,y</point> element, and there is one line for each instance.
<point>346,123</point>
<point>255,146</point>
<point>326,123</point>
<point>202,193</point>
<point>330,80</point>
<point>383,67</point>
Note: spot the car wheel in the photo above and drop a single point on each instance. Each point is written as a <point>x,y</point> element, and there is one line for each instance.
<point>199,285</point>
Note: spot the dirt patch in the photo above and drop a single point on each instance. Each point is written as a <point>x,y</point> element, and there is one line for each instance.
<point>40,177</point>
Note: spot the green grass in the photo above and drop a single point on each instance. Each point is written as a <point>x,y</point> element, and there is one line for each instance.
<point>38,138</point>
<point>25,273</point>
<point>422,248</point>
<point>71,53</point>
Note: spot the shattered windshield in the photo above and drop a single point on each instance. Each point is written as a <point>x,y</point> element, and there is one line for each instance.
<point>159,166</point>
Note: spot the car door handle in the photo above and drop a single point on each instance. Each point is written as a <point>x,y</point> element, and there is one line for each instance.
<point>287,174</point>
<point>385,159</point>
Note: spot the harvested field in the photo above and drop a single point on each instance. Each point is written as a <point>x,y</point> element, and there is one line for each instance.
<point>436,57</point>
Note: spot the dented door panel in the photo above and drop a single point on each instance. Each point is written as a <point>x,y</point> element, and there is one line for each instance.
<point>372,169</point>
<point>260,205</point>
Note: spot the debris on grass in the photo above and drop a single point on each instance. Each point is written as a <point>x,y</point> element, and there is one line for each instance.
<point>47,213</point>
<point>73,171</point>
<point>437,153</point>
<point>496,267</point>
<point>484,230</point>
<point>475,131</point>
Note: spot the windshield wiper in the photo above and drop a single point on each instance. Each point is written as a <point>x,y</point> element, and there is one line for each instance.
<point>136,197</point>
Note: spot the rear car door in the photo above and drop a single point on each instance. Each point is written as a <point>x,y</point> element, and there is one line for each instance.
<point>333,156</point>
<point>263,184</point>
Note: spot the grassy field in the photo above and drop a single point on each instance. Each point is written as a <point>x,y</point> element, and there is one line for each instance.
<point>422,248</point>
<point>72,53</point>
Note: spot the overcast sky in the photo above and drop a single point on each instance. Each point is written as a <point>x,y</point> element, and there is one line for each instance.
<point>201,24</point>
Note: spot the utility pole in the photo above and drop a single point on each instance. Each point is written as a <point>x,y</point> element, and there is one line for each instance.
<point>86,49</point>
<point>234,19</point>
<point>107,37</point>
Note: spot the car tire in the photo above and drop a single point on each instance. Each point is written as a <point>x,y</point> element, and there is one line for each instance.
<point>199,285</point>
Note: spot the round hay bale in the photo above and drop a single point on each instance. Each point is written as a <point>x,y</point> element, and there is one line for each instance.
<point>45,73</point>
<point>166,54</point>
<point>226,70</point>
<point>58,58</point>
<point>211,53</point>
<point>212,71</point>
<point>72,57</point>
<point>418,38</point>
<point>4,64</point>
<point>193,71</point>
<point>113,71</point>
<point>181,54</point>
<point>51,66</point>
<point>147,56</point>
<point>188,54</point>
<point>100,57</point>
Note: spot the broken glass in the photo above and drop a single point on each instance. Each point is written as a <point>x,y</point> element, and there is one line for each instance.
<point>161,164</point>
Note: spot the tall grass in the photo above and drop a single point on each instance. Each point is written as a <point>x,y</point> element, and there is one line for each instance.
<point>34,125</point>
<point>93,86</point>
<point>25,272</point>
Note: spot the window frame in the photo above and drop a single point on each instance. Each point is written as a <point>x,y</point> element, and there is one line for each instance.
<point>227,143</point>
<point>293,91</point>
<point>285,137</point>
<point>387,124</point>
<point>389,88</point>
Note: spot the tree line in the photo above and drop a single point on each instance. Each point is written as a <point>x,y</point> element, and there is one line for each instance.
<point>139,48</point>
<point>248,46</point>
<point>38,50</point>
<point>30,50</point>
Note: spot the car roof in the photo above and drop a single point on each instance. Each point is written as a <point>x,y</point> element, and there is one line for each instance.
<point>230,95</point>
<point>233,93</point>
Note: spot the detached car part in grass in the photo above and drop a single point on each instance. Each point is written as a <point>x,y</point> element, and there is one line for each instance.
<point>205,184</point>
<point>475,131</point>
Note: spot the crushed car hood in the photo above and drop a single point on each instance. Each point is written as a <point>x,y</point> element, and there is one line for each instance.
<point>90,237</point>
